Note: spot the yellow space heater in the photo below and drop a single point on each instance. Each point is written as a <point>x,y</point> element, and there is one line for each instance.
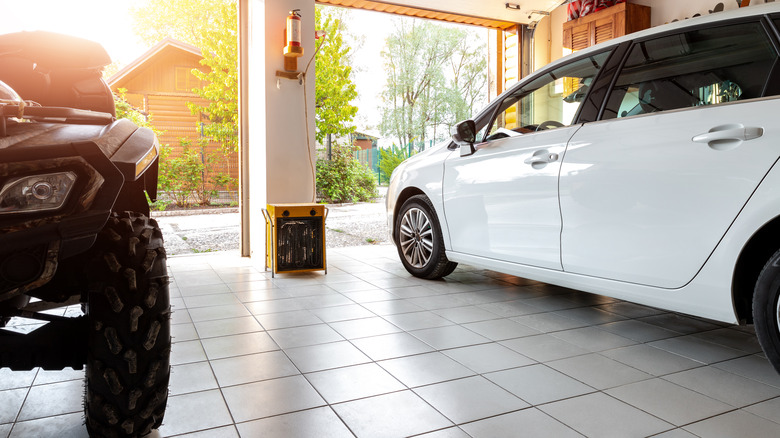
<point>295,238</point>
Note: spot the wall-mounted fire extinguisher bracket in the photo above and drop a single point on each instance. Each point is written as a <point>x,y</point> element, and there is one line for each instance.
<point>293,49</point>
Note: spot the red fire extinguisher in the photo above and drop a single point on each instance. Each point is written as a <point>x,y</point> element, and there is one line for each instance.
<point>293,48</point>
<point>294,28</point>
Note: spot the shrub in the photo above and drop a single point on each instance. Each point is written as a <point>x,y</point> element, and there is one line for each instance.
<point>180,177</point>
<point>390,159</point>
<point>344,178</point>
<point>192,176</point>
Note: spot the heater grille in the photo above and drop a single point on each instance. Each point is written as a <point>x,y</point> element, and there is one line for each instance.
<point>298,243</point>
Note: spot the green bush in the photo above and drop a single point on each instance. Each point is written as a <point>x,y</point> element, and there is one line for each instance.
<point>390,159</point>
<point>192,176</point>
<point>344,178</point>
<point>180,177</point>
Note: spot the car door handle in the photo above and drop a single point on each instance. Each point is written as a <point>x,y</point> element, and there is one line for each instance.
<point>730,134</point>
<point>541,158</point>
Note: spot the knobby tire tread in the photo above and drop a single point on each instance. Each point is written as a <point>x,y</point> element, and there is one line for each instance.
<point>128,366</point>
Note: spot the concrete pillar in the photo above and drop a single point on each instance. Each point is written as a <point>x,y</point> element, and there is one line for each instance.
<point>276,129</point>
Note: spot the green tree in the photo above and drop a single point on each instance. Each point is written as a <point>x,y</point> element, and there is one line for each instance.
<point>184,20</point>
<point>468,69</point>
<point>219,45</point>
<point>210,25</point>
<point>435,74</point>
<point>334,89</point>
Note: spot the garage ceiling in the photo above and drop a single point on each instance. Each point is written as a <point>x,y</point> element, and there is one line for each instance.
<point>487,13</point>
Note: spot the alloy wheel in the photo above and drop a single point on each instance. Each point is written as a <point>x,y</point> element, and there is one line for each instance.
<point>416,237</point>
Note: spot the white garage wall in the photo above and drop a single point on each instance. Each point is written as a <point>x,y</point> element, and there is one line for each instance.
<point>664,11</point>
<point>548,37</point>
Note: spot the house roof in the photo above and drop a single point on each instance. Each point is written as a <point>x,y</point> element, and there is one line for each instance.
<point>363,136</point>
<point>151,53</point>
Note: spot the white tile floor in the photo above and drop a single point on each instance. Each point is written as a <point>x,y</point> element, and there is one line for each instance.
<point>369,351</point>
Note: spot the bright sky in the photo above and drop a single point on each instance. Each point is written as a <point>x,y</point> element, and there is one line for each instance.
<point>109,23</point>
<point>105,21</point>
<point>368,66</point>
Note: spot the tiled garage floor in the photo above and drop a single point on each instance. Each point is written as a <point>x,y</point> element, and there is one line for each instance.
<point>369,351</point>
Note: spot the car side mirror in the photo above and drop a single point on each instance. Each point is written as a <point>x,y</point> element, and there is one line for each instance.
<point>464,135</point>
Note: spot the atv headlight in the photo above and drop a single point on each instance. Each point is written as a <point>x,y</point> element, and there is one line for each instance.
<point>36,193</point>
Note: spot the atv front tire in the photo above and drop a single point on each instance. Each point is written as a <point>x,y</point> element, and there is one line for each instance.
<point>128,361</point>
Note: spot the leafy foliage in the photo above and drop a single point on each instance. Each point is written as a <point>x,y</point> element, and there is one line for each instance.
<point>124,110</point>
<point>210,25</point>
<point>191,176</point>
<point>389,159</point>
<point>220,77</point>
<point>334,89</point>
<point>179,177</point>
<point>435,75</point>
<point>344,178</point>
<point>184,20</point>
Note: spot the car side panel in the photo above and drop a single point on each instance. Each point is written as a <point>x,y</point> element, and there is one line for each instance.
<point>708,295</point>
<point>421,172</point>
<point>642,202</point>
<point>502,201</point>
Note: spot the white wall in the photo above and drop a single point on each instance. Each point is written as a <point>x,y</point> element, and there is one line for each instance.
<point>664,11</point>
<point>661,12</point>
<point>276,153</point>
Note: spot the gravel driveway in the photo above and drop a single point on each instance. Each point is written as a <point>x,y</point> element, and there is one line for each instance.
<point>197,231</point>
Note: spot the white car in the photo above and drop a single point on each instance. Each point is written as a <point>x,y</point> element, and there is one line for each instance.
<point>644,169</point>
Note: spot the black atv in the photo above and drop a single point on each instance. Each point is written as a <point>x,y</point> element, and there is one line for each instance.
<point>75,229</point>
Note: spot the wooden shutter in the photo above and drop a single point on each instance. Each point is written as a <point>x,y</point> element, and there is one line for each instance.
<point>604,30</point>
<point>580,36</point>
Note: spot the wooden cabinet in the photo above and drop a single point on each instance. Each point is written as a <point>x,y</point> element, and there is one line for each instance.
<point>612,22</point>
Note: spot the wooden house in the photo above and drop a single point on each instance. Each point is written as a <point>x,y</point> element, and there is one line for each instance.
<point>160,83</point>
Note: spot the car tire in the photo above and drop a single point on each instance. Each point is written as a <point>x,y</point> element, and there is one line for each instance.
<point>766,310</point>
<point>128,359</point>
<point>419,240</point>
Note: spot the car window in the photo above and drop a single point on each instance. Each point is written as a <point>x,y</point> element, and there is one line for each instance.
<point>700,67</point>
<point>549,101</point>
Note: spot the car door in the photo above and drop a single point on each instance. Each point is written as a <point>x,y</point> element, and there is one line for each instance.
<point>648,192</point>
<point>501,202</point>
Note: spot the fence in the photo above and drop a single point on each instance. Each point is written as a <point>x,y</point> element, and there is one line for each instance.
<point>370,157</point>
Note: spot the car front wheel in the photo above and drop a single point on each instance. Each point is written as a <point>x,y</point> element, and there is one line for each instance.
<point>766,310</point>
<point>419,240</point>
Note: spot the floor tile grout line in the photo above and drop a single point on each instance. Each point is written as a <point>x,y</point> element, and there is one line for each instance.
<point>330,324</point>
<point>21,407</point>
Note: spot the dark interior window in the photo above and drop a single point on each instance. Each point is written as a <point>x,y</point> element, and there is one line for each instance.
<point>695,68</point>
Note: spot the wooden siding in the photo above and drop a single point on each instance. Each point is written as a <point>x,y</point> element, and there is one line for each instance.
<point>162,86</point>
